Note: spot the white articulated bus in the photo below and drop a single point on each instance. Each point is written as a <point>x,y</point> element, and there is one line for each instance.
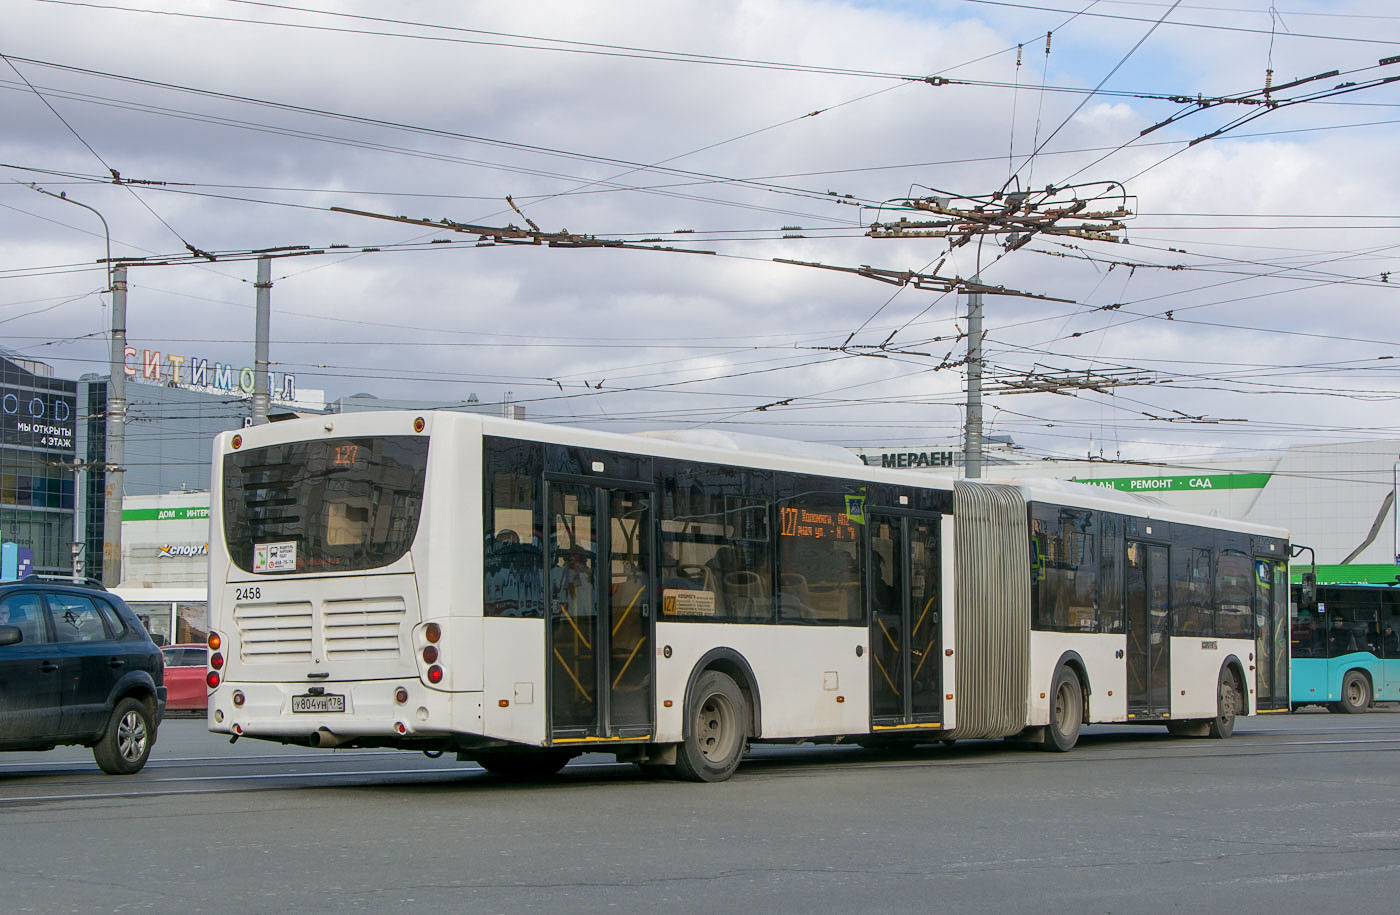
<point>519,594</point>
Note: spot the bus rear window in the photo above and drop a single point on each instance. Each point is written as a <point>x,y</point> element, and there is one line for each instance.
<point>338,505</point>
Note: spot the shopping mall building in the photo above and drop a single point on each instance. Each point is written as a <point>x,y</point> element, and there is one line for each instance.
<point>1337,498</point>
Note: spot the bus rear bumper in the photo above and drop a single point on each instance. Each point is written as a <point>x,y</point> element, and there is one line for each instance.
<point>376,712</point>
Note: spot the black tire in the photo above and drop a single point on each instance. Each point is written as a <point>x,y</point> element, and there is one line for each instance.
<point>126,744</point>
<point>716,730</point>
<point>523,764</point>
<point>1356,693</point>
<point>1227,706</point>
<point>1066,712</point>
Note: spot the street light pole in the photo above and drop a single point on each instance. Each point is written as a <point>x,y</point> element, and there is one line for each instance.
<point>107,233</point>
<point>116,412</point>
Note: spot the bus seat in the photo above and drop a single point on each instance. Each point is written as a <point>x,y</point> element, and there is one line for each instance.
<point>748,596</point>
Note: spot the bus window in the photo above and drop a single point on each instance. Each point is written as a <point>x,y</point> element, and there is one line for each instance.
<point>155,615</point>
<point>1234,595</point>
<point>1064,583</point>
<point>514,562</point>
<point>1191,585</point>
<point>819,550</point>
<point>191,622</point>
<point>716,541</point>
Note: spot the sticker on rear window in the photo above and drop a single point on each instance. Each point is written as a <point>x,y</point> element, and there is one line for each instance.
<point>275,557</point>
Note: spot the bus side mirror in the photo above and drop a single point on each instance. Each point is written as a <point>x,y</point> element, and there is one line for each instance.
<point>1307,600</point>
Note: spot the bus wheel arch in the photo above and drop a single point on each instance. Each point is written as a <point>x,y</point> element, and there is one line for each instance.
<point>733,665</point>
<point>721,713</point>
<point>1357,691</point>
<point>1069,691</point>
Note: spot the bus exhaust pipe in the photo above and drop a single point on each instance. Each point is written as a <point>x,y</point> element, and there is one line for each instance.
<point>325,739</point>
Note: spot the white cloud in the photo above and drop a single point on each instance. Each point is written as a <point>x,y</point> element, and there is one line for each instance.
<point>740,330</point>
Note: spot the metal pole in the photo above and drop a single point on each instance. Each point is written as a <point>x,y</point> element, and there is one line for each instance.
<point>107,233</point>
<point>972,436</point>
<point>262,330</point>
<point>119,356</point>
<point>116,437</point>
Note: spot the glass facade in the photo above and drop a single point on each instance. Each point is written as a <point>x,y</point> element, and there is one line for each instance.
<point>38,424</point>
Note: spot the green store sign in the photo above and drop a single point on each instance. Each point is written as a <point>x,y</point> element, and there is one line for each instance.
<point>1197,483</point>
<point>187,513</point>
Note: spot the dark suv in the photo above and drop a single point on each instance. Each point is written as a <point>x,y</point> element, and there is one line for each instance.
<point>77,667</point>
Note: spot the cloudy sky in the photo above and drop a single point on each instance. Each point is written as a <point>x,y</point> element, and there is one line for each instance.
<point>1245,308</point>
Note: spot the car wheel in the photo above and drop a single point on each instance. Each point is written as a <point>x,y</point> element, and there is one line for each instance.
<point>126,744</point>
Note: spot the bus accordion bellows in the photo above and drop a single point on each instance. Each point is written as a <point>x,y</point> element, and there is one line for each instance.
<point>520,594</point>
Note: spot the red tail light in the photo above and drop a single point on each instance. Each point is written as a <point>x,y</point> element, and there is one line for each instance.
<point>216,661</point>
<point>434,674</point>
<point>213,679</point>
<point>430,653</point>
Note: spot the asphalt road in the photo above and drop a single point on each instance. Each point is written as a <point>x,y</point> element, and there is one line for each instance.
<point>1294,814</point>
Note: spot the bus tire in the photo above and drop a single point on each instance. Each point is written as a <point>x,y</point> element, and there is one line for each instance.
<point>1356,693</point>
<point>716,730</point>
<point>1227,706</point>
<point>126,744</point>
<point>523,764</point>
<point>1066,712</point>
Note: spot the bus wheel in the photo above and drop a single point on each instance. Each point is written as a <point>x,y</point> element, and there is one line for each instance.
<point>1227,704</point>
<point>1066,712</point>
<point>523,763</point>
<point>1356,693</point>
<point>716,730</point>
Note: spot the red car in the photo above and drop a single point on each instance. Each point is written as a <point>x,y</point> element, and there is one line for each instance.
<point>184,678</point>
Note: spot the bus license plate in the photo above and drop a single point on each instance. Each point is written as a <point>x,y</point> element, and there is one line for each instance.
<point>318,703</point>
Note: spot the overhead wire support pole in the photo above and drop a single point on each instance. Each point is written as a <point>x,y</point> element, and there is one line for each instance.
<point>114,471</point>
<point>262,330</point>
<point>972,434</point>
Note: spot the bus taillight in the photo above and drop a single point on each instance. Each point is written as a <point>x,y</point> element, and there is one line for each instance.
<point>213,679</point>
<point>215,641</point>
<point>430,653</point>
<point>435,674</point>
<point>432,632</point>
<point>216,661</point>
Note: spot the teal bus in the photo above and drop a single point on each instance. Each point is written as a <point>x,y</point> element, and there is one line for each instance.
<point>1346,647</point>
